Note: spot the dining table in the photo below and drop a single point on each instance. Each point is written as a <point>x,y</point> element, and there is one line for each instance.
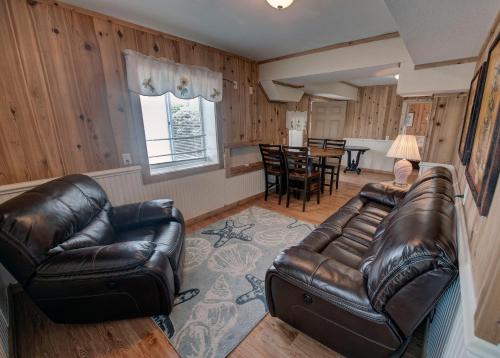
<point>323,154</point>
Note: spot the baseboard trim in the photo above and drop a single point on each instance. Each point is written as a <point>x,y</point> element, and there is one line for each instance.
<point>218,211</point>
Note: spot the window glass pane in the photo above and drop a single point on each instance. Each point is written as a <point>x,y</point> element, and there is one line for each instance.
<point>176,130</point>
<point>187,129</point>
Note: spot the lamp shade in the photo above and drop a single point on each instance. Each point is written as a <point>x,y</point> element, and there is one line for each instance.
<point>404,147</point>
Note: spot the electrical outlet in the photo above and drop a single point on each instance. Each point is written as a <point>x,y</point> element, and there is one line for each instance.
<point>235,85</point>
<point>250,90</point>
<point>127,158</point>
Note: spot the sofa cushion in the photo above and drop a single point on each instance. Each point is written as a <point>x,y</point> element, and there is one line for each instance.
<point>419,237</point>
<point>346,251</point>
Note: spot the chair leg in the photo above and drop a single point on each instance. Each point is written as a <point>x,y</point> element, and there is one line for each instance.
<point>318,194</point>
<point>288,194</point>
<point>267,187</point>
<point>331,180</point>
<point>337,179</point>
<point>306,193</point>
<point>278,179</point>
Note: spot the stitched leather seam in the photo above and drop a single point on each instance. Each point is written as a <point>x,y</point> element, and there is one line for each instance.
<point>316,269</point>
<point>356,333</point>
<point>344,304</point>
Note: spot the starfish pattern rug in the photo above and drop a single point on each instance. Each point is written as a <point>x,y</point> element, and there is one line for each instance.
<point>222,297</point>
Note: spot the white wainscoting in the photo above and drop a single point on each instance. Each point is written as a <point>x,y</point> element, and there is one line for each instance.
<point>194,195</point>
<point>451,333</point>
<point>375,158</point>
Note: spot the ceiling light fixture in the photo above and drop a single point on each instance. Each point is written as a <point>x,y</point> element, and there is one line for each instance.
<point>396,76</point>
<point>280,4</point>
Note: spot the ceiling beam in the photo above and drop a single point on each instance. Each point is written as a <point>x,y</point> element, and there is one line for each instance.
<point>457,61</point>
<point>287,84</point>
<point>386,36</point>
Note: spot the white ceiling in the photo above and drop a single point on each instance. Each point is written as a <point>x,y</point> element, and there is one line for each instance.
<point>252,28</point>
<point>440,30</point>
<point>368,76</point>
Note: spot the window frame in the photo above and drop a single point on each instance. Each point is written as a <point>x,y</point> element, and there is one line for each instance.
<point>142,153</point>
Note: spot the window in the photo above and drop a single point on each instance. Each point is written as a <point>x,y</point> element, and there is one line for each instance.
<point>180,133</point>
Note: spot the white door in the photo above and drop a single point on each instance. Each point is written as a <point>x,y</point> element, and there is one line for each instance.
<point>328,119</point>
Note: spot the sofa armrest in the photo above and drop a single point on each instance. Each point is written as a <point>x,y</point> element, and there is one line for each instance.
<point>97,259</point>
<point>382,194</point>
<point>141,214</point>
<point>326,277</point>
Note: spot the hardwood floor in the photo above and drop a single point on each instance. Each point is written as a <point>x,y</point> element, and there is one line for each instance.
<point>37,336</point>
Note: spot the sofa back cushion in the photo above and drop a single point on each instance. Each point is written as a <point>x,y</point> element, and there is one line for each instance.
<point>418,238</point>
<point>71,210</point>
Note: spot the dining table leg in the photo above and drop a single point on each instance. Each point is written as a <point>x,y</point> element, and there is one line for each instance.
<point>322,174</point>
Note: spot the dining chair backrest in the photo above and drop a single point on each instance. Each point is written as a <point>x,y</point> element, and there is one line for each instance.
<point>296,159</point>
<point>272,157</point>
<point>335,143</point>
<point>316,142</point>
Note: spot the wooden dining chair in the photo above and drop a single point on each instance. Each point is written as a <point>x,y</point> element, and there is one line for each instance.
<point>274,166</point>
<point>332,166</point>
<point>301,176</point>
<point>318,143</point>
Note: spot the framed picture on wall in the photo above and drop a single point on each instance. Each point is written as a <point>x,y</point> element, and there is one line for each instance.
<point>484,164</point>
<point>471,113</point>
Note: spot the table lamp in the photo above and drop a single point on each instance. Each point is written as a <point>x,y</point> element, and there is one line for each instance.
<point>404,147</point>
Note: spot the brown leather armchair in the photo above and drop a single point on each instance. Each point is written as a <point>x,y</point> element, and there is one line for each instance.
<point>82,260</point>
<point>366,278</point>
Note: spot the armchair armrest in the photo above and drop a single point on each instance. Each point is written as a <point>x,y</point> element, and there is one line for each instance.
<point>326,277</point>
<point>382,194</point>
<point>141,214</point>
<point>97,259</point>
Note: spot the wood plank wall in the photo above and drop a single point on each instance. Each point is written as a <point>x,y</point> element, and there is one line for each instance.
<point>484,241</point>
<point>447,113</point>
<point>375,115</point>
<point>64,105</point>
<point>422,114</point>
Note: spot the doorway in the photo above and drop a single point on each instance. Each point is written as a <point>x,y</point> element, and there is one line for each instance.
<point>328,119</point>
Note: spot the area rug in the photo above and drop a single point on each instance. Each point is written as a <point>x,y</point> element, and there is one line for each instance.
<point>222,298</point>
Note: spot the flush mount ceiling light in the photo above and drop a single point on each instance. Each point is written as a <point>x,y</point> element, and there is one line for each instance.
<point>280,4</point>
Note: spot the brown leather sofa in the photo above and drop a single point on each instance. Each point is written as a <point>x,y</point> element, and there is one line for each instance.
<point>82,260</point>
<point>368,276</point>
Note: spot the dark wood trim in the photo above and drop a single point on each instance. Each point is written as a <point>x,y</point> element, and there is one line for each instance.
<point>244,169</point>
<point>457,61</point>
<point>386,36</point>
<point>223,209</point>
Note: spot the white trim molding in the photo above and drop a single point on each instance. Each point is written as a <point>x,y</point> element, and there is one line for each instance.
<point>463,325</point>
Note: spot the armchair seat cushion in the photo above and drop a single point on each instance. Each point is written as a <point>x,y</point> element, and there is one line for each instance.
<point>97,259</point>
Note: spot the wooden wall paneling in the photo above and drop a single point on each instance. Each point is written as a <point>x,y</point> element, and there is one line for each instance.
<point>375,115</point>
<point>422,112</point>
<point>26,129</point>
<point>116,89</point>
<point>12,112</point>
<point>53,36</point>
<point>444,127</point>
<point>67,107</point>
<point>92,91</point>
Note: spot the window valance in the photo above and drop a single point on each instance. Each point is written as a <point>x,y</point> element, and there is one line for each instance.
<point>151,76</point>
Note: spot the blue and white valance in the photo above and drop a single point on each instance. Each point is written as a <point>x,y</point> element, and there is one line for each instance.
<point>152,76</point>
